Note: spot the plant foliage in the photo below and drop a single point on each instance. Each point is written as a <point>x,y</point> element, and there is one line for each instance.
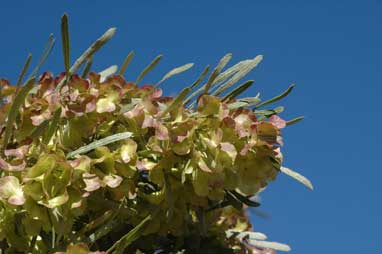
<point>94,163</point>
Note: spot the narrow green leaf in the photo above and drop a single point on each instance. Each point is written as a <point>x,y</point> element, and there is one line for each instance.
<point>295,120</point>
<point>101,142</point>
<point>234,201</point>
<point>279,109</point>
<point>148,68</point>
<point>201,77</point>
<point>237,104</point>
<point>297,176</point>
<point>276,98</point>
<point>65,43</point>
<point>14,110</point>
<point>196,83</point>
<point>93,48</point>
<point>89,53</point>
<point>52,127</point>
<point>105,228</point>
<point>126,63</point>
<point>238,90</point>
<point>239,75</point>
<point>244,199</point>
<point>175,71</point>
<point>44,56</point>
<point>23,71</point>
<point>176,101</point>
<point>129,238</point>
<point>38,131</point>
<point>87,68</point>
<point>108,72</point>
<point>222,63</point>
<point>230,72</point>
<point>169,198</point>
<point>98,222</point>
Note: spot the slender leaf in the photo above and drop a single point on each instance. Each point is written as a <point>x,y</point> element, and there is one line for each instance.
<point>93,48</point>
<point>87,68</point>
<point>38,131</point>
<point>148,68</point>
<point>234,201</point>
<point>244,199</point>
<point>105,228</point>
<point>196,83</point>
<point>14,110</point>
<point>89,52</point>
<point>169,198</point>
<point>44,56</point>
<point>65,43</point>
<point>175,71</point>
<point>238,90</point>
<point>97,222</point>
<point>108,72</point>
<point>201,77</point>
<point>297,176</point>
<point>101,142</point>
<point>269,245</point>
<point>23,71</point>
<point>179,99</point>
<point>52,127</point>
<point>130,237</point>
<point>222,63</point>
<point>295,120</point>
<point>239,75</point>
<point>245,234</point>
<point>230,72</point>
<point>126,63</point>
<point>276,98</point>
<point>237,104</point>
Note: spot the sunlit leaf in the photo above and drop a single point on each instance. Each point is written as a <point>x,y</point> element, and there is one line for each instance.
<point>174,72</point>
<point>89,52</point>
<point>302,179</point>
<point>119,246</point>
<point>108,72</point>
<point>101,142</point>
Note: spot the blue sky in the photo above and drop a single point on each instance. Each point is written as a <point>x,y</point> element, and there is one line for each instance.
<point>331,50</point>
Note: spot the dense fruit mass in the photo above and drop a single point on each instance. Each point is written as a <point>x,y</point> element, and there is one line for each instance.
<point>177,164</point>
<point>98,164</point>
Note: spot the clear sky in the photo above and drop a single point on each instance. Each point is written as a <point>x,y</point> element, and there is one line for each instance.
<point>331,50</point>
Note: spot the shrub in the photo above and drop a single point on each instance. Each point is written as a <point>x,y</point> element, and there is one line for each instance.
<point>96,163</point>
